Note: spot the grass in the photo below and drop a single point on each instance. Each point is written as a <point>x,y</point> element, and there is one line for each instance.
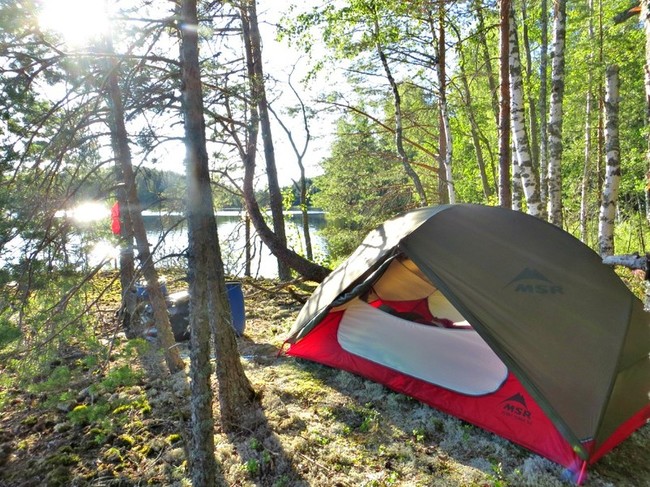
<point>92,422</point>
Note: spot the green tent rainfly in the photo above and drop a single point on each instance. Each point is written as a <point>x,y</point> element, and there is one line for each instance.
<point>494,316</point>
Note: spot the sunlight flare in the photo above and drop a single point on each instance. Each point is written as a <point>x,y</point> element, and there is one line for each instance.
<point>78,21</point>
<point>89,212</point>
<point>104,251</point>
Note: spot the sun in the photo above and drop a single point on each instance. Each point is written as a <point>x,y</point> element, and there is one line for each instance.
<point>78,21</point>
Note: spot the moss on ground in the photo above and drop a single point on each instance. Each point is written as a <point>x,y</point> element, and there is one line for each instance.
<point>93,421</point>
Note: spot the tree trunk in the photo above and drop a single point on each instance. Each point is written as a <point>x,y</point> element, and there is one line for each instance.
<point>258,92</point>
<point>399,131</point>
<point>249,257</point>
<point>555,118</point>
<point>209,307</point>
<point>520,136</point>
<point>309,252</point>
<point>586,179</point>
<point>517,188</point>
<point>302,266</point>
<point>613,176</point>
<point>586,168</point>
<point>645,18</point>
<point>476,140</point>
<point>543,125</point>
<point>300,185</point>
<point>120,144</point>
<point>446,143</point>
<point>309,270</point>
<point>505,193</point>
<point>534,126</point>
<point>487,60</point>
<point>127,263</point>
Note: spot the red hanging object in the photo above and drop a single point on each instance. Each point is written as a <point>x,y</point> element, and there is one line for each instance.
<point>116,226</point>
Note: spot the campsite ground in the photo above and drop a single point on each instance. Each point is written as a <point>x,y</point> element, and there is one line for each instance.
<point>86,424</point>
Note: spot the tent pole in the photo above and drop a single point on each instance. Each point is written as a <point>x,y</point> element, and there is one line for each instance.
<point>581,475</point>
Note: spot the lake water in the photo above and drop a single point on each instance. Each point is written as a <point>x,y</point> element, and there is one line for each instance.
<point>167,235</point>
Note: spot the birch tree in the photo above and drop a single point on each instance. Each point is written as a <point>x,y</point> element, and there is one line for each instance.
<point>543,125</point>
<point>555,115</point>
<point>532,107</point>
<point>517,187</point>
<point>522,155</point>
<point>505,193</point>
<point>613,172</point>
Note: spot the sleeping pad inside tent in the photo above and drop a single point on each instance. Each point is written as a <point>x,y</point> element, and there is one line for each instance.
<point>495,317</point>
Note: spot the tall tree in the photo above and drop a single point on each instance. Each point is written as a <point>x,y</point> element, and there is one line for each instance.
<point>555,117</point>
<point>251,32</point>
<point>302,184</point>
<point>127,263</point>
<point>120,142</point>
<point>481,29</point>
<point>466,95</point>
<point>645,18</point>
<point>613,175</point>
<point>209,306</point>
<point>246,145</point>
<point>532,108</point>
<point>520,135</point>
<point>505,193</point>
<point>397,105</point>
<point>586,169</point>
<point>543,95</point>
<point>445,138</point>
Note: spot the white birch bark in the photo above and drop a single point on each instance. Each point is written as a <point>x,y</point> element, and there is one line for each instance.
<point>543,125</point>
<point>525,175</point>
<point>448,153</point>
<point>613,172</point>
<point>555,115</point>
<point>517,189</point>
<point>505,159</point>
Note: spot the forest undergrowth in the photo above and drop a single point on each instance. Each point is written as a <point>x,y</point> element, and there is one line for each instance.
<point>103,415</point>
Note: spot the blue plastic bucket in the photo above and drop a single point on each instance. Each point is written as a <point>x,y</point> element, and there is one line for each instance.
<point>142,292</point>
<point>236,300</point>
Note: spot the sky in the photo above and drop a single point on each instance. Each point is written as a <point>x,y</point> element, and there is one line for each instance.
<point>280,59</point>
<point>70,17</point>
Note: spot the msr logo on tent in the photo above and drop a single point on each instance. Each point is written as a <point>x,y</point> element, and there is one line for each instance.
<point>515,407</point>
<point>530,281</point>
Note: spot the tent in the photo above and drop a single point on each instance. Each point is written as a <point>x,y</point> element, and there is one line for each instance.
<point>495,317</point>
